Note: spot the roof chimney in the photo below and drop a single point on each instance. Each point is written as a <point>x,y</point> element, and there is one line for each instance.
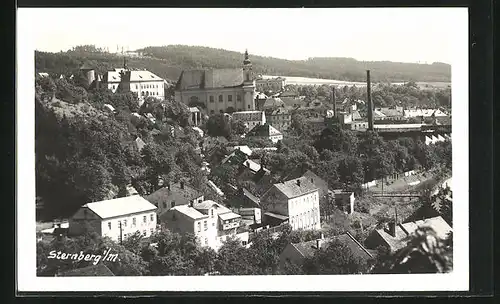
<point>369,97</point>
<point>298,182</point>
<point>392,229</point>
<point>319,242</point>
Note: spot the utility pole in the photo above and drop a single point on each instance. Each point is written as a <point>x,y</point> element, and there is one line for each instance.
<point>121,232</point>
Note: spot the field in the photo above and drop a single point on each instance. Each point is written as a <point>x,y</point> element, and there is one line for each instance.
<point>317,81</point>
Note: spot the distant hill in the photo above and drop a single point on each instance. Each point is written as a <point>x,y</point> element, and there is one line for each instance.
<point>169,61</point>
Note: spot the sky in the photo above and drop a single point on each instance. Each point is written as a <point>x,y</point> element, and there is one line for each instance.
<point>368,34</point>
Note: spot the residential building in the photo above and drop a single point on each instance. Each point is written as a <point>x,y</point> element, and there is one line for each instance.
<point>244,199</point>
<point>270,84</point>
<point>421,113</point>
<point>209,221</point>
<point>142,82</point>
<point>220,90</point>
<point>265,131</point>
<point>322,185</point>
<point>174,194</point>
<point>295,200</point>
<point>279,118</point>
<point>116,218</point>
<point>245,149</point>
<point>250,118</point>
<point>296,253</point>
<point>395,235</point>
<point>251,170</point>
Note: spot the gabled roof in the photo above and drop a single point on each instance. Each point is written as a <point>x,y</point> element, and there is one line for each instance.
<point>403,231</point>
<point>189,212</point>
<point>307,249</point>
<point>209,79</point>
<point>89,271</point>
<point>175,192</point>
<point>120,206</point>
<point>263,130</point>
<point>208,204</point>
<point>135,76</point>
<point>291,188</point>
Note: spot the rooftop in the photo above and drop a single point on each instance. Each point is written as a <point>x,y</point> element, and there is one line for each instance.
<point>263,130</point>
<point>120,206</point>
<point>188,193</point>
<point>135,76</point>
<point>207,79</point>
<point>292,189</point>
<point>189,212</point>
<point>307,249</point>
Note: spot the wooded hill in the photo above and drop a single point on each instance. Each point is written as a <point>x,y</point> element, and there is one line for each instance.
<point>169,61</point>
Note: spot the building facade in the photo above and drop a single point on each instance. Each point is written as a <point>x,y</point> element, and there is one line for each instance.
<point>174,194</point>
<point>210,222</point>
<point>117,218</point>
<point>250,118</point>
<point>280,118</point>
<point>218,90</point>
<point>297,199</point>
<point>270,84</point>
<point>143,83</point>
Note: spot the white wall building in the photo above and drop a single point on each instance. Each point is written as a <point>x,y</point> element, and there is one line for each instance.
<point>144,83</point>
<point>209,221</point>
<point>116,218</point>
<point>297,199</point>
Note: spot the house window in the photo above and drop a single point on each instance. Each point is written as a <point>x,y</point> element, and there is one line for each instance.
<point>133,222</point>
<point>229,98</point>
<point>144,219</point>
<point>211,99</point>
<point>172,204</point>
<point>213,224</point>
<point>206,241</point>
<point>205,226</point>
<point>243,243</point>
<point>151,230</point>
<point>119,224</point>
<point>124,223</point>
<point>238,97</point>
<point>109,225</point>
<point>164,204</point>
<point>220,98</point>
<point>220,111</point>
<point>144,233</point>
<point>249,106</point>
<point>212,212</point>
<point>199,226</point>
<point>152,217</point>
<point>136,87</point>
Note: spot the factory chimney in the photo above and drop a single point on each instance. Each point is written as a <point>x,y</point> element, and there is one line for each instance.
<point>369,97</point>
<point>334,102</point>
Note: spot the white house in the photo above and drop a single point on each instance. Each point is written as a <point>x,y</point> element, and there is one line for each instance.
<point>250,118</point>
<point>210,222</point>
<point>267,132</point>
<point>116,218</point>
<point>297,200</point>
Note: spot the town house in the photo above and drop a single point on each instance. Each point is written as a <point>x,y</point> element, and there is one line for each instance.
<point>116,218</point>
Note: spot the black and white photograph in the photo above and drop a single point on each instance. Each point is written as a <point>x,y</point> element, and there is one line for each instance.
<point>218,149</point>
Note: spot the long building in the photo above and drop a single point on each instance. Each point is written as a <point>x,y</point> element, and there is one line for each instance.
<point>218,90</point>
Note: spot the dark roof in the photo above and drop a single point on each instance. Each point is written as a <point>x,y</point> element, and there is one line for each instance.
<point>180,196</point>
<point>291,188</point>
<point>89,271</point>
<point>307,249</point>
<point>263,130</point>
<point>277,216</point>
<point>208,79</point>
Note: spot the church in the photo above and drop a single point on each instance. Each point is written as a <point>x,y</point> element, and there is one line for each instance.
<point>218,90</point>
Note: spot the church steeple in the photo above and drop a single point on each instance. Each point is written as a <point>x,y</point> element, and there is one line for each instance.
<point>246,61</point>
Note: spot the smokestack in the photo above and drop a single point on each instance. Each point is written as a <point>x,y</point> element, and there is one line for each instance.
<point>392,229</point>
<point>334,102</point>
<point>369,97</point>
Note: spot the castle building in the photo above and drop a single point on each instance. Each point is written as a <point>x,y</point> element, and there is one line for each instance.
<point>218,90</point>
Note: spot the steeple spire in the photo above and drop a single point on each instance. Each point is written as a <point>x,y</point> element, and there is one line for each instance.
<point>246,61</point>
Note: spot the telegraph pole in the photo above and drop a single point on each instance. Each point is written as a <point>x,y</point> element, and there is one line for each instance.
<point>121,233</point>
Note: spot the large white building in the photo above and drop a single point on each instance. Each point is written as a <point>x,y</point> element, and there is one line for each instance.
<point>116,218</point>
<point>296,200</point>
<point>144,83</point>
<point>209,221</point>
<point>218,90</point>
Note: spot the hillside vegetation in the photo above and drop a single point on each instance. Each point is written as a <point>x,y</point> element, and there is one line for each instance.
<point>169,61</point>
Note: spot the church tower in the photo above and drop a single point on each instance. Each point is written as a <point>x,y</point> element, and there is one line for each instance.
<point>248,84</point>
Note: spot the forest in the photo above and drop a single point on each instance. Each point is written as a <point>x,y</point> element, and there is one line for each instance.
<point>169,61</point>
